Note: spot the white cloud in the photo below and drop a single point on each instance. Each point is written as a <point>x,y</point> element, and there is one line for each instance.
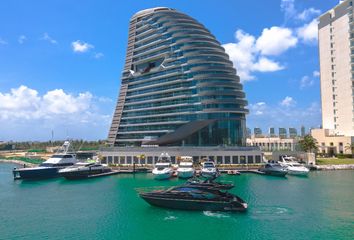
<point>288,102</point>
<point>306,81</point>
<point>316,73</point>
<point>34,115</point>
<point>309,32</point>
<point>307,14</point>
<point>81,47</point>
<point>247,58</point>
<point>22,39</point>
<point>98,55</point>
<point>265,115</point>
<point>290,12</point>
<point>48,38</point>
<point>2,41</point>
<point>258,108</point>
<point>275,40</point>
<point>24,102</point>
<point>288,7</point>
<point>266,65</point>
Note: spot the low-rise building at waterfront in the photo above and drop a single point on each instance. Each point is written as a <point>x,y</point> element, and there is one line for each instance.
<point>149,155</point>
<point>270,144</point>
<point>330,143</point>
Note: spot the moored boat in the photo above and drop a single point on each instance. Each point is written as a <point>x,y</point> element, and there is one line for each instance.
<point>209,169</point>
<point>297,169</point>
<point>83,170</point>
<point>208,183</point>
<point>191,198</point>
<point>50,168</point>
<point>274,169</point>
<point>163,168</point>
<point>185,167</point>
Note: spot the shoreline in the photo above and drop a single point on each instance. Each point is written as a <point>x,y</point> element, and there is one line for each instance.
<point>335,167</point>
<point>18,162</point>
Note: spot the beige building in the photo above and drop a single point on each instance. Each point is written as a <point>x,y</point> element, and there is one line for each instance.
<point>270,144</point>
<point>331,144</point>
<point>336,52</point>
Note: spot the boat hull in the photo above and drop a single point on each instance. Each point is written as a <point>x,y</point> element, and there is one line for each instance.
<point>162,176</point>
<point>185,174</point>
<point>37,173</point>
<point>299,173</point>
<point>194,205</point>
<point>82,174</point>
<point>274,173</point>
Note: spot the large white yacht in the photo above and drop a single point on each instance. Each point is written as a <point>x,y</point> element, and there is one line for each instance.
<point>209,169</point>
<point>185,167</point>
<point>50,168</point>
<point>297,169</point>
<point>163,168</point>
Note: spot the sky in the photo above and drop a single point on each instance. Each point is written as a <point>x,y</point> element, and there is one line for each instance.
<point>61,61</point>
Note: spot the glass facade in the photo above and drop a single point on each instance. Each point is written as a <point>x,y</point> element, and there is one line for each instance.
<point>178,86</point>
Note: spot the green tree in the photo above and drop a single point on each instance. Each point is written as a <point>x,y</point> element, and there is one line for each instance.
<point>350,147</point>
<point>308,144</point>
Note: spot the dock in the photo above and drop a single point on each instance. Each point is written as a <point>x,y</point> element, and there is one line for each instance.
<point>255,171</point>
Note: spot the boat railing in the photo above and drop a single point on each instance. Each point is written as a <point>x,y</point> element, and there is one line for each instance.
<point>149,189</point>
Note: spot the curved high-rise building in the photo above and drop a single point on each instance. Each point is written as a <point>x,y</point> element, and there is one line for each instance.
<point>178,88</point>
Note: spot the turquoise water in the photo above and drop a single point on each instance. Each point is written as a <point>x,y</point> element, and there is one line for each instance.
<point>320,206</point>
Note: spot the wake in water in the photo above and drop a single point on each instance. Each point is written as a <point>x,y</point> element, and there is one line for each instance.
<point>215,214</point>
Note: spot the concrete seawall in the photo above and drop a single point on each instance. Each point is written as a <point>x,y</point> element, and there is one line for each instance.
<point>335,167</point>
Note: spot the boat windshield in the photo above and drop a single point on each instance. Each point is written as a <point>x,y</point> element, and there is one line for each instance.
<point>62,156</point>
<point>208,165</point>
<point>46,165</point>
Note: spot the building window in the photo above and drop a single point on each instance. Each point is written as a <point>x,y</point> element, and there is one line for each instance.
<point>243,159</point>
<point>149,160</point>
<point>173,159</point>
<point>258,159</point>
<point>115,160</point>
<point>227,160</point>
<point>129,160</point>
<point>250,159</point>
<point>121,159</point>
<point>211,158</point>
<point>136,159</point>
<point>341,144</point>
<point>104,160</point>
<point>331,144</point>
<point>234,159</point>
<point>156,159</point>
<point>110,159</point>
<point>219,159</point>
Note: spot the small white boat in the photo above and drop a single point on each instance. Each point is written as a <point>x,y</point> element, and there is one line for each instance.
<point>185,168</point>
<point>297,169</point>
<point>209,169</point>
<point>163,168</point>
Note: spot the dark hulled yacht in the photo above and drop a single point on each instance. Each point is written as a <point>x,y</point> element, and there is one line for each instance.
<point>50,168</point>
<point>194,198</point>
<point>83,170</point>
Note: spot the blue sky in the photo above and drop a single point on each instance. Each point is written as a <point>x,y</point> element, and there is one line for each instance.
<point>61,61</point>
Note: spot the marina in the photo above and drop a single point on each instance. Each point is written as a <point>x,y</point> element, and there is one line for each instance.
<point>274,206</point>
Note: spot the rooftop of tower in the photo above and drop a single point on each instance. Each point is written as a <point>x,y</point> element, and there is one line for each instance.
<point>150,10</point>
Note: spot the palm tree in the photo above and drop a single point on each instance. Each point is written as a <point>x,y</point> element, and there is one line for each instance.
<point>308,144</point>
<point>350,147</point>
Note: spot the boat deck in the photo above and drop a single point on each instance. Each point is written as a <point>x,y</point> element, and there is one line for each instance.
<point>113,172</point>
